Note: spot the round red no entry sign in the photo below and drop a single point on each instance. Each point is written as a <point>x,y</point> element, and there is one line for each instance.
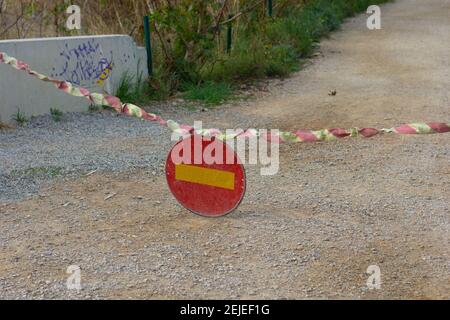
<point>205,176</point>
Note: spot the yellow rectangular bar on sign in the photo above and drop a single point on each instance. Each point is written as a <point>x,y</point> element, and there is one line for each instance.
<point>205,176</point>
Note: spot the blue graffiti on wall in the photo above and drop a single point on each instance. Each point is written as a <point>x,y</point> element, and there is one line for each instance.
<point>83,64</point>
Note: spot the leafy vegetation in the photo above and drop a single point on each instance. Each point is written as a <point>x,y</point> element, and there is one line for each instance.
<point>132,90</point>
<point>56,114</point>
<point>50,172</point>
<point>209,92</point>
<point>20,118</point>
<point>191,41</point>
<point>190,37</point>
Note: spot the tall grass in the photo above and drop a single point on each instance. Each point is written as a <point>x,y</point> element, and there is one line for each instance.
<point>209,92</point>
<point>45,18</point>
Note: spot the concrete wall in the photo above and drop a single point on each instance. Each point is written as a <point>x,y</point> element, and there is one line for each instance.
<point>81,60</point>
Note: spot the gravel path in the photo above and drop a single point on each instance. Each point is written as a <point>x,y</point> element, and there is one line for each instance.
<point>311,231</point>
<point>79,144</point>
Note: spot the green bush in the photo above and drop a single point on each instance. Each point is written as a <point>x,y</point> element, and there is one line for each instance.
<point>191,53</point>
<point>20,118</point>
<point>247,60</point>
<point>282,60</point>
<point>209,92</point>
<point>56,114</point>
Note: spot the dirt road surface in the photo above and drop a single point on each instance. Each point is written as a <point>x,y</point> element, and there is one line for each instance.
<point>311,231</point>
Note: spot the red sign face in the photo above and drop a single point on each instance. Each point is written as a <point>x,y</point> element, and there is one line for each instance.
<point>205,176</point>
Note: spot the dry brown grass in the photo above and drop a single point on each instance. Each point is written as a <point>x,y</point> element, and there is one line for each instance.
<point>4,126</point>
<point>46,18</point>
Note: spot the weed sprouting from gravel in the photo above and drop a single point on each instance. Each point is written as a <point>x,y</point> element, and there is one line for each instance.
<point>20,118</point>
<point>94,108</point>
<point>56,114</point>
<point>35,172</point>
